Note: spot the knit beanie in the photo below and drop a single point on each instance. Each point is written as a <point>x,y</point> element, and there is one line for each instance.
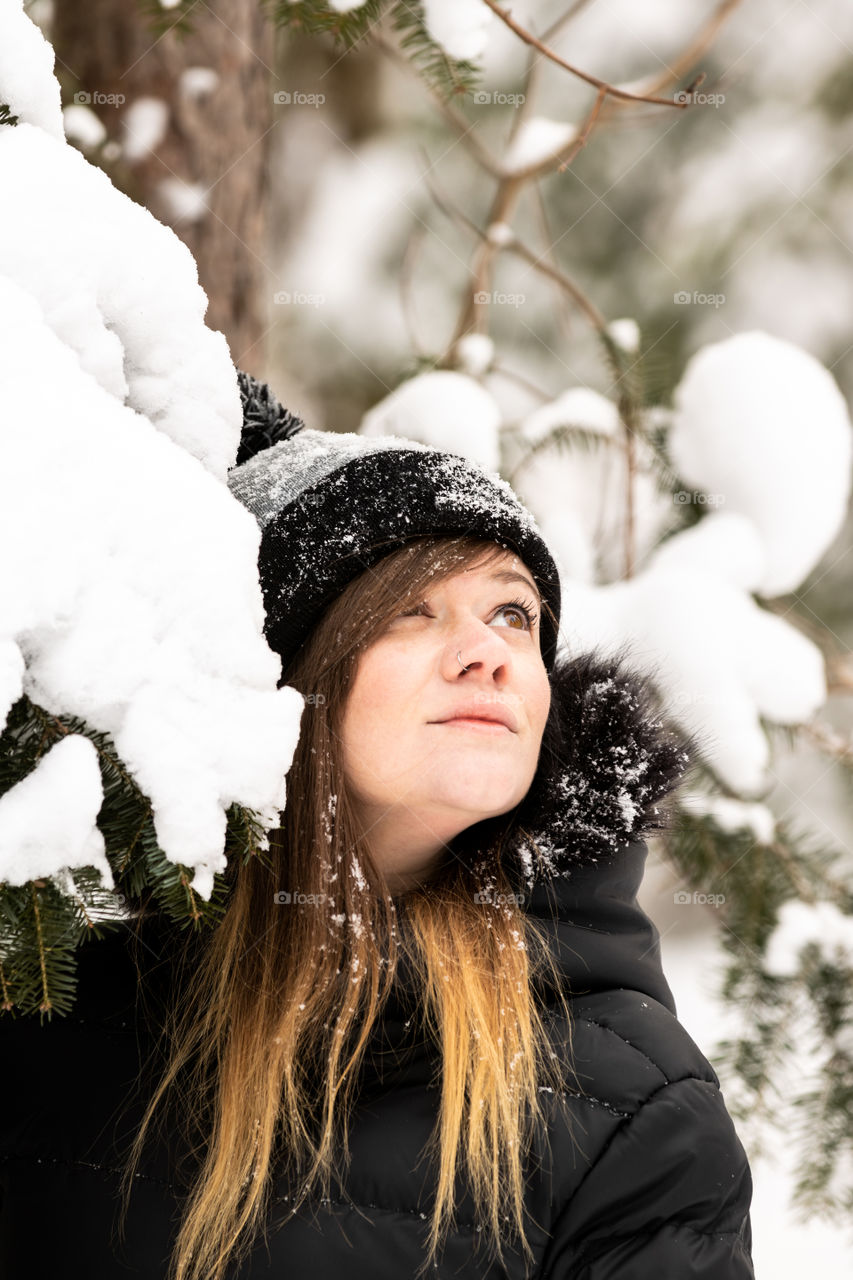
<point>331,505</point>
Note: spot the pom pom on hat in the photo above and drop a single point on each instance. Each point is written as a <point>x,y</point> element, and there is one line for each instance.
<point>265,420</point>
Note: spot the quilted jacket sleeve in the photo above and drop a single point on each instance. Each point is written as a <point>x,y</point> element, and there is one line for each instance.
<point>668,1197</point>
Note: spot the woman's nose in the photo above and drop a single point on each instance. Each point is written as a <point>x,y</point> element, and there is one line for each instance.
<point>475,647</point>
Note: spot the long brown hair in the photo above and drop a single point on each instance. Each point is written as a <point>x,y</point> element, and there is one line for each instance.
<point>275,1017</point>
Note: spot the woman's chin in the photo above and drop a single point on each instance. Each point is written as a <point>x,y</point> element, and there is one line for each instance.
<point>470,796</point>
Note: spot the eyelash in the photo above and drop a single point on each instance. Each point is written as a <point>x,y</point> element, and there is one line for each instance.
<point>524,606</point>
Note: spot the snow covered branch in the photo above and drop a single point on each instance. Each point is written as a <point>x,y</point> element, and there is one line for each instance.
<point>144,730</point>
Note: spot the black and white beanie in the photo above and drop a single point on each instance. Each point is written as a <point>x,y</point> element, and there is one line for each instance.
<point>331,505</point>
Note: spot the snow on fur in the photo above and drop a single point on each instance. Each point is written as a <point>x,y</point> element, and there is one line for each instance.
<point>607,764</point>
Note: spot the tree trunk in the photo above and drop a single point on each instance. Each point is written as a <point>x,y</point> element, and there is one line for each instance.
<point>207,175</point>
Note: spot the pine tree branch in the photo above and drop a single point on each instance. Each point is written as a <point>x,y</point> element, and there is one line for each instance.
<point>450,76</point>
<point>566,434</point>
<point>45,997</point>
<point>457,122</point>
<point>549,249</point>
<point>43,922</point>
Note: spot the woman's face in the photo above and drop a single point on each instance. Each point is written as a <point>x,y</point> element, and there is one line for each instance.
<point>418,772</point>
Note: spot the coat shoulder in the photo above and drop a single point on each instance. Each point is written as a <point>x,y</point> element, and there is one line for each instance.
<point>630,1042</point>
<point>657,1181</point>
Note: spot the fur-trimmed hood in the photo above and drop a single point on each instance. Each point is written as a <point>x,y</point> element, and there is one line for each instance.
<point>607,766</point>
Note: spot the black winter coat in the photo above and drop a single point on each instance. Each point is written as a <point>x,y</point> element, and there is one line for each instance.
<point>652,1182</point>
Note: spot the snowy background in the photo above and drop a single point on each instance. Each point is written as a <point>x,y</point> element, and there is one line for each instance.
<point>719,238</point>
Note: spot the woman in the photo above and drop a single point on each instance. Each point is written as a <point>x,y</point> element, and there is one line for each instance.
<point>431,1032</point>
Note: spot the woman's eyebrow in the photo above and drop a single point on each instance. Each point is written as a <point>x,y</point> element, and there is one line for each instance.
<point>509,575</point>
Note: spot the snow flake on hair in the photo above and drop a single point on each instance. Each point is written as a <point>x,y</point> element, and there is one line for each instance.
<point>606,764</point>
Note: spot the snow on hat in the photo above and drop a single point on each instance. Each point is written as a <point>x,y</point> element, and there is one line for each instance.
<point>331,505</point>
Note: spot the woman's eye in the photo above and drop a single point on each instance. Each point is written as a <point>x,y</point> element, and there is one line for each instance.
<point>525,612</point>
<point>522,611</point>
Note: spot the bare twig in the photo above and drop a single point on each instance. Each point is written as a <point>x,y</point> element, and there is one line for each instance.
<point>614,109</point>
<point>472,315</point>
<point>696,49</point>
<point>586,129</point>
<point>829,741</point>
<point>559,159</point>
<point>547,235</point>
<point>839,673</point>
<point>407,302</point>
<point>506,195</point>
<point>510,185</point>
<point>609,90</point>
<point>627,417</point>
<point>585,304</point>
<point>535,62</point>
<point>513,245</point>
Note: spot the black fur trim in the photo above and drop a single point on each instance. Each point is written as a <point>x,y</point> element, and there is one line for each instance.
<point>606,765</point>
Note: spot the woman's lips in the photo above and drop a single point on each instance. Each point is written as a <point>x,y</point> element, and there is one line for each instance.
<point>484,726</point>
